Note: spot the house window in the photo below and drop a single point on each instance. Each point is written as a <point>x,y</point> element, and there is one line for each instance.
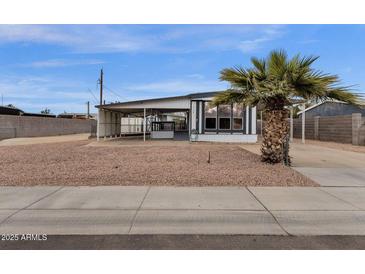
<point>224,114</point>
<point>237,116</point>
<point>210,123</point>
<point>224,117</point>
<point>224,123</point>
<point>237,123</point>
<point>210,114</point>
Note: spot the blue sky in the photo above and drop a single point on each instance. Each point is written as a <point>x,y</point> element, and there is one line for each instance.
<point>55,66</point>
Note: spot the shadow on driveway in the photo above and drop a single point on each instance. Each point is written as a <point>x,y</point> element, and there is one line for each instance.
<point>325,165</point>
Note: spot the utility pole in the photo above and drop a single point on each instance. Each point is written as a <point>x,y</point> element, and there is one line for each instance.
<point>88,109</point>
<point>100,110</point>
<point>101,86</point>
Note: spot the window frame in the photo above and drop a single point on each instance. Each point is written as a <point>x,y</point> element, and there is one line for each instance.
<point>205,123</point>
<point>219,123</point>
<point>231,118</point>
<point>238,118</point>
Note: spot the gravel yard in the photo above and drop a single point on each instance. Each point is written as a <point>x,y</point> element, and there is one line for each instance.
<point>77,163</point>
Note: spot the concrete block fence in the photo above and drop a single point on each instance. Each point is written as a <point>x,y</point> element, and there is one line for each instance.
<point>12,126</point>
<point>348,129</point>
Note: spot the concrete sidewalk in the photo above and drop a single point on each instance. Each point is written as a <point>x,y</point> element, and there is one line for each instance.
<point>183,210</point>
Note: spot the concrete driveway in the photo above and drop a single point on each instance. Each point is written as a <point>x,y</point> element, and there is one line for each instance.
<point>327,166</point>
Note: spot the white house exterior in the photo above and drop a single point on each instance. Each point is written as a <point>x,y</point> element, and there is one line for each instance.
<point>224,123</point>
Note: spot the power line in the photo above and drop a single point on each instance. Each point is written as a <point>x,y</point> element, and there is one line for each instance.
<point>115,93</point>
<point>96,99</point>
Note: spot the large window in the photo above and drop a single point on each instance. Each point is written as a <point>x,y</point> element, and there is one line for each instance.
<point>210,116</point>
<point>230,117</point>
<point>237,116</point>
<point>224,115</point>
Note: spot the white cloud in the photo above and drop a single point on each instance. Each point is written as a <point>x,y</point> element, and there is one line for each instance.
<point>251,45</point>
<point>268,34</point>
<point>176,86</point>
<point>54,63</point>
<point>79,38</point>
<point>35,33</point>
<point>143,38</point>
<point>35,93</point>
<point>309,41</point>
<point>196,76</point>
<point>348,69</point>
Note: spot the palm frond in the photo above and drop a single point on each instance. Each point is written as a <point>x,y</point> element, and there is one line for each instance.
<point>307,61</point>
<point>343,94</point>
<point>259,64</point>
<point>276,80</point>
<point>237,76</point>
<point>230,97</point>
<point>277,63</point>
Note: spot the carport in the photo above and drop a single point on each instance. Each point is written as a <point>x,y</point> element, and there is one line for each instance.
<point>147,111</point>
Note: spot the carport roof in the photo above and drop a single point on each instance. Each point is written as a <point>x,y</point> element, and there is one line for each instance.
<point>188,96</point>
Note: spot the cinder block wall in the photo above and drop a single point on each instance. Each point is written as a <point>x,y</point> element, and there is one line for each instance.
<point>26,126</point>
<point>335,129</point>
<point>309,128</point>
<point>348,129</point>
<point>329,128</point>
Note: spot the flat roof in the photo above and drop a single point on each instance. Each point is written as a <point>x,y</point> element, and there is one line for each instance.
<point>188,96</point>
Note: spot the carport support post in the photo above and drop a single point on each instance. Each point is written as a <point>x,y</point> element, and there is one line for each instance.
<point>144,124</point>
<point>303,124</point>
<point>98,126</point>
<point>261,123</point>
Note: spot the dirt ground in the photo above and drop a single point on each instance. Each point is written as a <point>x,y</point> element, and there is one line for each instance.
<point>156,163</point>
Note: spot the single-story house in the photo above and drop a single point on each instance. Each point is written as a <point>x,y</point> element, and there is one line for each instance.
<point>204,122</point>
<point>74,115</point>
<point>6,110</point>
<point>331,108</point>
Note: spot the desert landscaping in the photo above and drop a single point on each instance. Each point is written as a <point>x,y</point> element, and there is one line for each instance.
<point>136,163</point>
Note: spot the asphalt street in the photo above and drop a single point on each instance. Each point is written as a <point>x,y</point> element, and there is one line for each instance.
<point>189,242</point>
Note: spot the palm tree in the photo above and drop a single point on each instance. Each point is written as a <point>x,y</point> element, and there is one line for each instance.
<point>276,83</point>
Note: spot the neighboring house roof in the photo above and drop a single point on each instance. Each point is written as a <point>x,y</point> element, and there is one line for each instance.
<point>190,96</point>
<point>10,111</point>
<point>316,105</point>
<point>39,115</point>
<point>75,114</point>
<point>16,111</point>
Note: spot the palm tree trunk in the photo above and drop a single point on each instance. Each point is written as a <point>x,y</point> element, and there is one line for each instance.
<point>275,130</point>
